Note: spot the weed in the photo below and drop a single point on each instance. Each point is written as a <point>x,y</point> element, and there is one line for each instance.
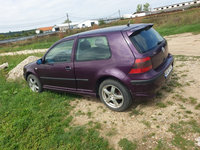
<point>182,143</point>
<point>159,94</point>
<point>181,106</point>
<point>181,98</point>
<point>135,112</point>
<point>192,100</point>
<point>170,102</point>
<point>112,132</point>
<point>188,112</point>
<point>146,123</point>
<point>161,105</point>
<point>127,145</point>
<point>184,75</point>
<point>167,88</point>
<point>97,125</point>
<point>162,145</point>
<point>184,127</point>
<point>146,137</point>
<point>187,84</point>
<point>89,114</point>
<point>79,113</point>
<point>197,106</point>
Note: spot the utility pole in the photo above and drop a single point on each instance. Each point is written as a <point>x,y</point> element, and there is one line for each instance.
<point>119,13</point>
<point>68,21</point>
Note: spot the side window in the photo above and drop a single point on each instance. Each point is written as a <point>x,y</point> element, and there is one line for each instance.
<point>93,48</point>
<point>60,53</point>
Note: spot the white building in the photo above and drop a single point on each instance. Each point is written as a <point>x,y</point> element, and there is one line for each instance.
<point>44,30</point>
<point>88,23</point>
<point>177,6</point>
<point>127,16</point>
<point>65,26</point>
<point>142,14</point>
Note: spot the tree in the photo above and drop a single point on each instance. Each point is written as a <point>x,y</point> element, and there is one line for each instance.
<point>146,7</point>
<point>139,8</point>
<point>67,21</point>
<point>101,22</point>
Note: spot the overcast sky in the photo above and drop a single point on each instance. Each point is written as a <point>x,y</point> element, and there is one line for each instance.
<point>29,14</point>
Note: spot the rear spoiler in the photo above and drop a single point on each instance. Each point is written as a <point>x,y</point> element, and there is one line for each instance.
<point>139,28</point>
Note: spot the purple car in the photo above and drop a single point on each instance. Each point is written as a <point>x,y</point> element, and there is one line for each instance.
<point>116,64</point>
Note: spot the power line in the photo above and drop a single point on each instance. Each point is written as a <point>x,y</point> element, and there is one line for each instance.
<point>31,23</point>
<point>45,22</point>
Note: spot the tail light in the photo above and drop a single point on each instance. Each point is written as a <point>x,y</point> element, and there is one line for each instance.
<point>141,65</point>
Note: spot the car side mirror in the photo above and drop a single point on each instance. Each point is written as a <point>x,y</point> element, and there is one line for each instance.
<point>39,61</point>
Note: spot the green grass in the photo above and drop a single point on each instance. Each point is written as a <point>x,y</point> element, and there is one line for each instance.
<point>146,123</point>
<point>161,105</point>
<point>112,132</point>
<point>193,100</point>
<point>170,30</point>
<point>180,130</point>
<point>14,60</point>
<point>40,121</point>
<point>37,43</point>
<point>182,143</point>
<point>125,144</point>
<point>197,106</point>
<point>135,112</point>
<point>162,145</point>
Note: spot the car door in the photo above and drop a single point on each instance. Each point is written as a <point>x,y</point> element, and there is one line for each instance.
<point>92,55</point>
<point>57,70</point>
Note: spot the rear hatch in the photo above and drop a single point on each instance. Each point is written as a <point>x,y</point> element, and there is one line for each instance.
<point>149,42</point>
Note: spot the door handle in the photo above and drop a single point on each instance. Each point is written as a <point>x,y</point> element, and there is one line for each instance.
<point>68,68</point>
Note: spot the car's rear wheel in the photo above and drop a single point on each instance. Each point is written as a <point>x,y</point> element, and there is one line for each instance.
<point>115,95</point>
<point>34,83</point>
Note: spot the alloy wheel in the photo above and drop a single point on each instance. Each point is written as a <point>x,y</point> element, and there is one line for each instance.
<point>33,85</point>
<point>112,96</point>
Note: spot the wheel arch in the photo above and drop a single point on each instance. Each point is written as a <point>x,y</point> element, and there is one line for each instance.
<point>103,78</point>
<point>27,74</point>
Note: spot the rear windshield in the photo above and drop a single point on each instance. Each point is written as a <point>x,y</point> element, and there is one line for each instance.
<point>146,40</point>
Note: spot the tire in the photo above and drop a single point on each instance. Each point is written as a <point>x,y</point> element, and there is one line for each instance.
<point>115,95</point>
<point>34,83</point>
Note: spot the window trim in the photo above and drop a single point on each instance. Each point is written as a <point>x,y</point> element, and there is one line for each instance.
<point>57,43</point>
<point>91,36</point>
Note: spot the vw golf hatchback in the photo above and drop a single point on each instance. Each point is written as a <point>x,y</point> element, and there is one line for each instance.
<point>116,64</point>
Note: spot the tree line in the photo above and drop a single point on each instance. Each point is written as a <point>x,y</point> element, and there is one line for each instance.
<point>143,8</point>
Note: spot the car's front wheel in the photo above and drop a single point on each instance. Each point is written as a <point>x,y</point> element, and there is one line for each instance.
<point>34,83</point>
<point>115,95</point>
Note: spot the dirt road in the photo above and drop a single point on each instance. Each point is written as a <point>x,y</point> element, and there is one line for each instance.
<point>24,52</point>
<point>184,44</point>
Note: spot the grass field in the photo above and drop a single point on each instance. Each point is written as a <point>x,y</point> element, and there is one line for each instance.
<point>165,24</point>
<point>40,121</point>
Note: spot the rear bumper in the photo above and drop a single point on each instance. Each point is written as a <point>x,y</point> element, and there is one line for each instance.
<point>149,87</point>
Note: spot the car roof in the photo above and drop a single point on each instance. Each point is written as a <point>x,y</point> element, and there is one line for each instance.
<point>131,28</point>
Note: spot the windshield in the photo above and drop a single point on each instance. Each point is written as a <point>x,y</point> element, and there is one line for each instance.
<point>146,40</point>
